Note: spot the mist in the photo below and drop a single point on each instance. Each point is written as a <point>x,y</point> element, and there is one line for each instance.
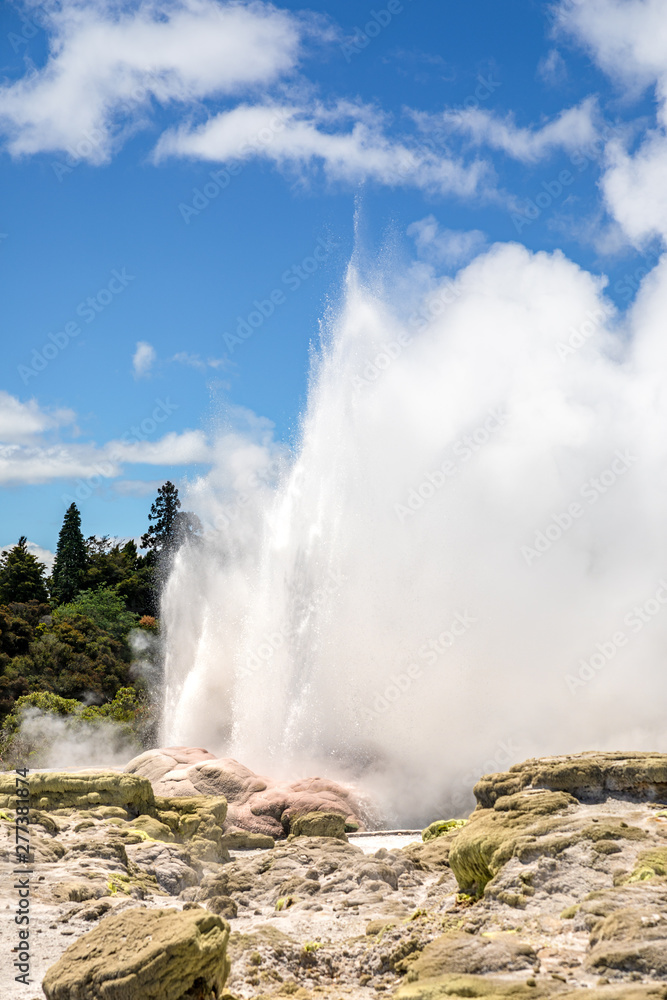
<point>463,563</point>
<point>55,741</point>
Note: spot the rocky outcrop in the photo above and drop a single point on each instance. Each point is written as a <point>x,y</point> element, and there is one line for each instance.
<point>85,789</point>
<point>145,955</point>
<point>590,777</point>
<point>255,803</point>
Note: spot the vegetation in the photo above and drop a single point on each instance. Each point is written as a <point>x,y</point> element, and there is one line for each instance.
<point>21,575</point>
<point>70,562</point>
<point>170,526</point>
<point>65,640</point>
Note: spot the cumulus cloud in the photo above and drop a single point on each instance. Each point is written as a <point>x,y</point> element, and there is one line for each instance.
<point>628,40</point>
<point>97,87</point>
<point>107,67</point>
<point>20,422</point>
<point>143,359</point>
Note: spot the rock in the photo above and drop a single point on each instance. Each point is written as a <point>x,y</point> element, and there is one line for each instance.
<point>590,777</point>
<point>472,954</point>
<point>224,906</point>
<point>318,824</point>
<point>255,803</point>
<point>456,986</point>
<point>152,828</point>
<point>51,790</point>
<point>631,940</point>
<point>517,825</point>
<point>173,868</point>
<point>441,827</point>
<point>234,839</point>
<point>144,955</point>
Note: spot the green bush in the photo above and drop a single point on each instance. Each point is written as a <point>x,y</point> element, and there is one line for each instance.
<point>105,608</point>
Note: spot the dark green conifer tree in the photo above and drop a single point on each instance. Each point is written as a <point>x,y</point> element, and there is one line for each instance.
<point>71,558</point>
<point>21,575</point>
<point>171,526</point>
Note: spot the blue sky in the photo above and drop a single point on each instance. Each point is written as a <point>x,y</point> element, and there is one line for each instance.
<point>167,168</point>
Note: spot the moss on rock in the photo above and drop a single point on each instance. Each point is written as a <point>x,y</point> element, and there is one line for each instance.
<point>590,777</point>
<point>318,824</point>
<point>440,827</point>
<point>81,790</point>
<point>144,955</point>
<point>521,825</point>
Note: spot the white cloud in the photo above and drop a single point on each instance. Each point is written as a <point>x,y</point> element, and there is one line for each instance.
<point>107,67</point>
<point>99,85</point>
<point>448,247</point>
<point>21,422</point>
<point>143,359</point>
<point>570,130</point>
<point>172,449</point>
<point>628,40</point>
<point>30,452</point>
<point>552,69</point>
<point>300,137</point>
<point>195,361</point>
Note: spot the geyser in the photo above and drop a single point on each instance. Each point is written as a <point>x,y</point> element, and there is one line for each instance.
<point>465,561</point>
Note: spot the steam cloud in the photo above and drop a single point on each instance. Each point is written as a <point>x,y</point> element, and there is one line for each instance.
<point>66,741</point>
<point>464,563</point>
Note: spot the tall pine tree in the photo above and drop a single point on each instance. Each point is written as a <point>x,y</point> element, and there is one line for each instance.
<point>71,557</point>
<point>21,575</point>
<point>171,526</point>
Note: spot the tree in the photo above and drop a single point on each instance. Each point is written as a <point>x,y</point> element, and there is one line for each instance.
<point>171,526</point>
<point>71,558</point>
<point>21,575</point>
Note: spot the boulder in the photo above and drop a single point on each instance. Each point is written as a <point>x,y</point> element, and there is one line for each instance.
<point>144,955</point>
<point>255,803</point>
<point>318,824</point>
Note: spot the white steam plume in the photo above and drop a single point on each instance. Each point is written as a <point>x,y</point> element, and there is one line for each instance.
<point>463,564</point>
